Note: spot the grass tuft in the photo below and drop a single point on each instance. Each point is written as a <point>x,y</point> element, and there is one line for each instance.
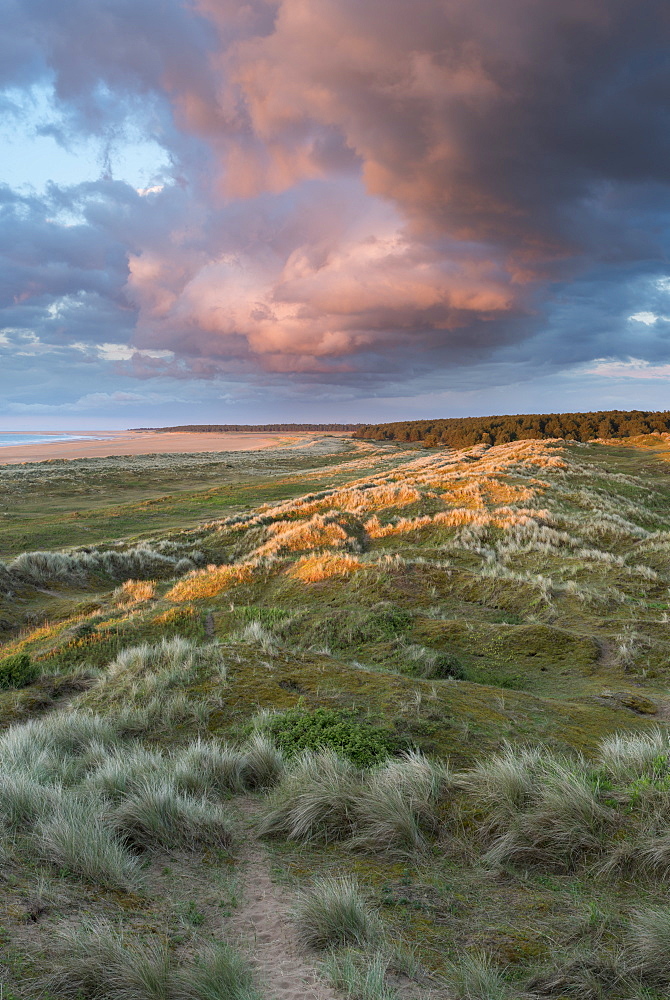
<point>333,912</point>
<point>77,837</point>
<point>157,815</point>
<point>360,977</point>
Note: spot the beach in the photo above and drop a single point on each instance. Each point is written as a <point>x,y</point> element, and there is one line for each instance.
<point>148,443</point>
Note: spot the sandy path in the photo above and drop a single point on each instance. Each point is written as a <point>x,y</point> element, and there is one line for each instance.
<point>149,443</point>
<point>266,933</point>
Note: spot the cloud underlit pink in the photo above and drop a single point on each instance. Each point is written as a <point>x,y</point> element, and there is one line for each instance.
<point>356,186</point>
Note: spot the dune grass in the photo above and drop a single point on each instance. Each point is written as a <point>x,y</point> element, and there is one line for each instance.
<point>506,607</point>
<point>100,962</point>
<point>332,912</point>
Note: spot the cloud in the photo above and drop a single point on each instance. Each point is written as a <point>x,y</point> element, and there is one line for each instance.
<point>358,193</point>
<point>632,368</point>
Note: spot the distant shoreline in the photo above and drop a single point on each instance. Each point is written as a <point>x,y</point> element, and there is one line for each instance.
<point>118,443</point>
<point>251,428</point>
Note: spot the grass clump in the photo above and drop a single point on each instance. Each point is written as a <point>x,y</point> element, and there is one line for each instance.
<point>324,797</point>
<point>100,962</point>
<point>397,805</point>
<point>169,661</point>
<point>333,912</point>
<point>315,800</point>
<point>360,977</point>
<point>17,671</point>
<point>77,837</point>
<point>297,730</point>
<point>218,973</point>
<point>475,977</point>
<point>418,661</point>
<point>157,815</point>
<point>649,938</point>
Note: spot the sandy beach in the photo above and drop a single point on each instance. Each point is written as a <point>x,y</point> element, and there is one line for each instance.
<point>147,443</point>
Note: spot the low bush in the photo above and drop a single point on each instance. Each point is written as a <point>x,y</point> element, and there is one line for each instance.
<point>389,621</point>
<point>17,671</point>
<point>431,664</point>
<point>333,912</point>
<point>297,730</point>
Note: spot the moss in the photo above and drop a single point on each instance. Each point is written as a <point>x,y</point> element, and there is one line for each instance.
<point>637,703</point>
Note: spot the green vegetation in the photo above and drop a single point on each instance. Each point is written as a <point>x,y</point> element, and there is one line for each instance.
<point>296,730</point>
<point>406,708</point>
<point>101,962</point>
<point>462,432</point>
<point>332,912</point>
<point>17,671</point>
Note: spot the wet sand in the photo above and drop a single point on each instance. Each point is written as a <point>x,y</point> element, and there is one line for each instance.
<point>150,442</point>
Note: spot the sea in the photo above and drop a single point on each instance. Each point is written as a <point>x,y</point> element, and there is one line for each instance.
<point>7,440</point>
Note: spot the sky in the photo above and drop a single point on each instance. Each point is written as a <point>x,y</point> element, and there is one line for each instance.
<point>343,210</point>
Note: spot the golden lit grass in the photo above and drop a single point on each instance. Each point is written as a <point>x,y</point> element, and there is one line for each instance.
<point>313,568</point>
<point>134,592</point>
<point>209,582</point>
<point>500,517</point>
<point>173,615</point>
<point>377,497</point>
<point>292,536</point>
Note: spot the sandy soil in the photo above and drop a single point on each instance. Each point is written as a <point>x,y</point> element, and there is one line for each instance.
<point>265,931</point>
<point>148,443</point>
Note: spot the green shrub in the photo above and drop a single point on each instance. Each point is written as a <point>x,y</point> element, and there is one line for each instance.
<point>389,621</point>
<point>17,671</point>
<point>297,730</point>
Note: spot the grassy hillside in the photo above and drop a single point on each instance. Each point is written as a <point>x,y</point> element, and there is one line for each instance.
<point>425,692</point>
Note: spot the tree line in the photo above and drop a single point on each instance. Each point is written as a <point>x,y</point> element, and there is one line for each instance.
<point>461,432</point>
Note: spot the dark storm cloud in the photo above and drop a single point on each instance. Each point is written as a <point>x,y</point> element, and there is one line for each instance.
<point>359,189</point>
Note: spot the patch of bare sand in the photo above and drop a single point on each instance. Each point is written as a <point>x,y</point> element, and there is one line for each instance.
<point>266,932</point>
<point>154,443</point>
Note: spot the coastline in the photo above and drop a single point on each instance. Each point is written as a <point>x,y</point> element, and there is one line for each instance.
<point>117,443</point>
